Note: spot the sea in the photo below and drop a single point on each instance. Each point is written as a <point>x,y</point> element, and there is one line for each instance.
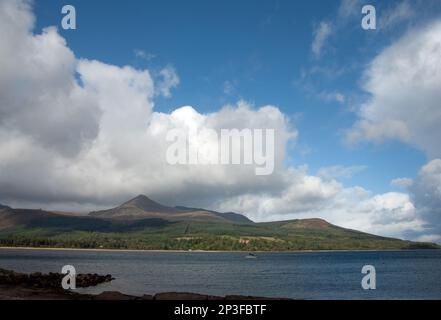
<point>414,274</point>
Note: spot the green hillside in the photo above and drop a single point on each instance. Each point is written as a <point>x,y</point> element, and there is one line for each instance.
<point>157,234</point>
<point>142,223</point>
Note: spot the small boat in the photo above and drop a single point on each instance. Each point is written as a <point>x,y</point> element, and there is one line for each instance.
<point>250,256</point>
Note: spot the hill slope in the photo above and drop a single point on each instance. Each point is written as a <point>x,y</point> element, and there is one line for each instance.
<point>3,207</point>
<point>142,223</point>
<point>143,207</point>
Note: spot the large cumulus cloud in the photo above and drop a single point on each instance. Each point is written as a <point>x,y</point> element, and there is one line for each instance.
<point>81,131</point>
<point>79,134</point>
<point>427,194</point>
<point>404,84</point>
<point>38,94</point>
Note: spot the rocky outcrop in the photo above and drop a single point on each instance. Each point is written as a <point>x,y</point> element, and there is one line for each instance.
<point>180,296</point>
<point>39,286</point>
<point>50,280</point>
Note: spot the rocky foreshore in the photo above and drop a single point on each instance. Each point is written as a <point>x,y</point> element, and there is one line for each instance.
<point>49,280</point>
<point>39,286</point>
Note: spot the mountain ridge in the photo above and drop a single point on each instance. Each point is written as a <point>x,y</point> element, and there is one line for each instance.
<point>2,207</point>
<point>142,223</point>
<point>142,207</point>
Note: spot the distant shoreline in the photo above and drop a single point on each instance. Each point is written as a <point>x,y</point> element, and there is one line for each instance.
<point>201,251</point>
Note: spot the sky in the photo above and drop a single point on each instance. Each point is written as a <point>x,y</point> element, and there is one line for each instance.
<point>84,113</point>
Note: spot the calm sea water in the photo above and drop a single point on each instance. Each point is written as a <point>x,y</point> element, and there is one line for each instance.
<point>319,275</point>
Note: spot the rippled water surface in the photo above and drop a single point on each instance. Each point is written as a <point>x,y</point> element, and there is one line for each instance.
<point>318,275</point>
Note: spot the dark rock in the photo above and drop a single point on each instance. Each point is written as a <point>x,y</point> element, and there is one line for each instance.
<point>50,280</point>
<point>184,296</point>
<point>113,295</point>
<point>38,286</point>
<point>244,298</point>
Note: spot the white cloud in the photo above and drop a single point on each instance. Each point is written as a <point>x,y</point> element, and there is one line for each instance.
<point>349,8</point>
<point>397,14</point>
<point>402,182</point>
<point>97,141</point>
<point>321,34</point>
<point>333,96</point>
<point>38,94</point>
<point>229,87</point>
<point>429,238</point>
<point>404,84</point>
<point>169,81</point>
<point>302,193</point>
<point>427,194</point>
<point>143,54</point>
<point>335,172</point>
<point>390,214</point>
<point>386,214</point>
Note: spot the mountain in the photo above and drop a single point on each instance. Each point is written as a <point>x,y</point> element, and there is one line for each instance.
<point>142,223</point>
<point>2,207</point>
<point>230,216</point>
<point>15,217</point>
<point>139,207</point>
<point>29,219</point>
<point>143,207</point>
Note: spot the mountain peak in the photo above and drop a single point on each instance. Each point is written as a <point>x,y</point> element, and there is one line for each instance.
<point>4,207</point>
<point>142,207</point>
<point>140,197</point>
<point>145,203</point>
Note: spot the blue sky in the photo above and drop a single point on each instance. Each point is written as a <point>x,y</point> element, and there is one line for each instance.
<point>346,91</point>
<point>258,51</point>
